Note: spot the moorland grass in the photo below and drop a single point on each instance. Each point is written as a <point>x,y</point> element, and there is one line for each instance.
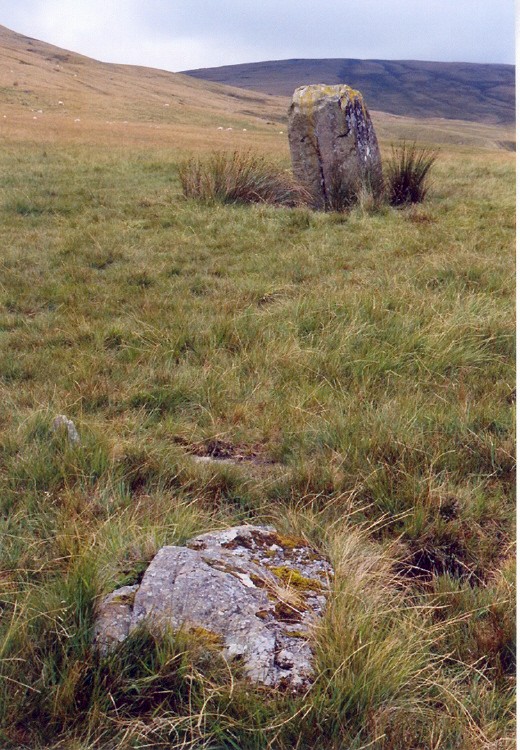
<point>365,360</point>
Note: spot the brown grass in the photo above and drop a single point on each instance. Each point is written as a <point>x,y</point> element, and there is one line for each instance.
<point>240,177</point>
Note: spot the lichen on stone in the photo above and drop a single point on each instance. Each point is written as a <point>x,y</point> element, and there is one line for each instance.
<point>123,598</point>
<point>286,541</point>
<point>295,579</point>
<point>287,613</point>
<point>205,636</point>
<point>224,590</point>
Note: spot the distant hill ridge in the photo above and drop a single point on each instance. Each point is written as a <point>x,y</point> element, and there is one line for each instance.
<point>463,91</point>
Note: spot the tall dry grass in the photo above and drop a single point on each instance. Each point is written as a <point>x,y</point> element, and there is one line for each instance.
<point>239,177</point>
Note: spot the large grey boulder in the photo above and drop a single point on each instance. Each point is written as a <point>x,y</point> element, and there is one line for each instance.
<point>259,593</point>
<point>333,144</point>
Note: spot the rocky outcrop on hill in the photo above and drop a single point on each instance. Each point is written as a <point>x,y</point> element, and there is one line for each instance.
<point>257,593</point>
<point>333,144</point>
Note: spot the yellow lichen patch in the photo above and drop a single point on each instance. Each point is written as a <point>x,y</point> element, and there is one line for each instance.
<point>289,542</point>
<point>307,96</point>
<point>206,637</point>
<point>295,580</point>
<point>296,634</point>
<point>123,598</point>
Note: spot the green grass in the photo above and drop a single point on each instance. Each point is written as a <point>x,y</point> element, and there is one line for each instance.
<point>365,360</point>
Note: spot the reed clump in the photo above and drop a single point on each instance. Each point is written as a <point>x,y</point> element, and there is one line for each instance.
<point>407,174</point>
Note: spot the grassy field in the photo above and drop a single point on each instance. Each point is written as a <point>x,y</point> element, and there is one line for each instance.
<point>360,369</point>
<point>361,364</point>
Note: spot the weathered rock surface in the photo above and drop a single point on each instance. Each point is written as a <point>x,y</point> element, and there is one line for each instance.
<point>260,593</point>
<point>333,143</point>
<point>114,617</point>
<point>62,423</point>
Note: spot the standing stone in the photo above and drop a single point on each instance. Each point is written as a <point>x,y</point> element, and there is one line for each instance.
<point>333,144</point>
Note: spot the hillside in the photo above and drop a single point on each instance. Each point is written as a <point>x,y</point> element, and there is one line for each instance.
<point>34,73</point>
<point>117,104</point>
<point>46,91</point>
<point>463,91</point>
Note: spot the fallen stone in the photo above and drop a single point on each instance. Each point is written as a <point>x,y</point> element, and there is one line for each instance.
<point>62,423</point>
<point>213,460</point>
<point>114,616</point>
<point>257,593</point>
<point>333,144</point>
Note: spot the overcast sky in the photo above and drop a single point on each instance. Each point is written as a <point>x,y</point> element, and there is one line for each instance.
<point>185,34</point>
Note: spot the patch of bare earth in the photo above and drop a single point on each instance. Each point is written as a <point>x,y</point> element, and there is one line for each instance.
<point>217,452</point>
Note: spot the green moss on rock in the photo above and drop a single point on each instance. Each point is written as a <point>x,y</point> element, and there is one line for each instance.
<point>295,579</point>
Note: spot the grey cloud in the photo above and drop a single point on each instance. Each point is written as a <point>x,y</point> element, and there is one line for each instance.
<point>471,30</point>
<point>197,33</point>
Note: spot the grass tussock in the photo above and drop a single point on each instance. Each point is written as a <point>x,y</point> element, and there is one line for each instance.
<point>407,174</point>
<point>239,177</point>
